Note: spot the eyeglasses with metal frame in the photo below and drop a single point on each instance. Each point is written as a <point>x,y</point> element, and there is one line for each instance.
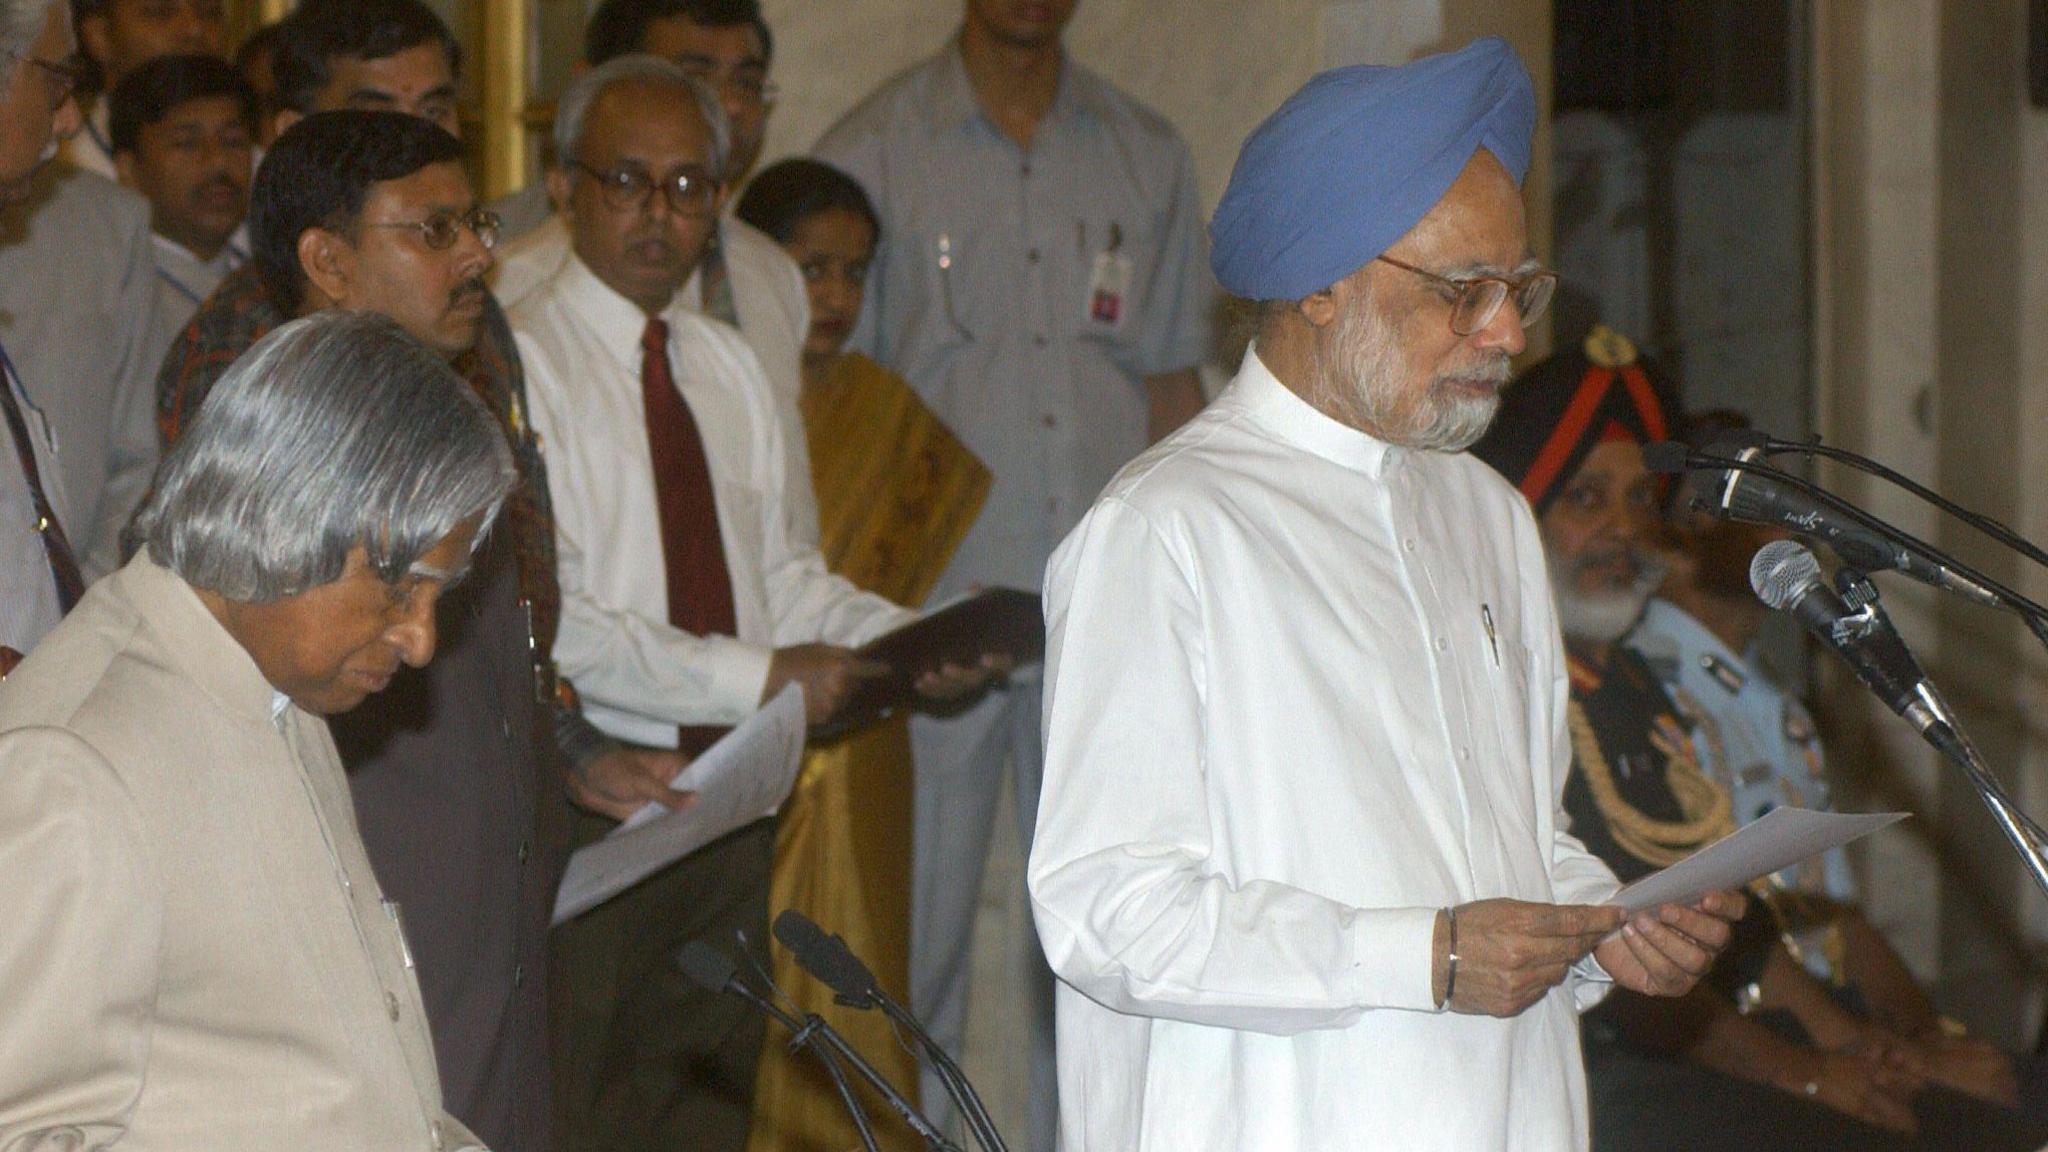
<point>1476,300</point>
<point>441,230</point>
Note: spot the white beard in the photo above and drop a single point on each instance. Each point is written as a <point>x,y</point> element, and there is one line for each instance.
<point>1602,617</point>
<point>1369,371</point>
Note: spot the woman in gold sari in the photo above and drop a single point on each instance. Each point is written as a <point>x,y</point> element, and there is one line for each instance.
<point>896,492</point>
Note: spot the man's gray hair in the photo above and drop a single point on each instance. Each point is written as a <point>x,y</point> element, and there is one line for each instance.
<point>21,21</point>
<point>574,106</point>
<point>335,432</point>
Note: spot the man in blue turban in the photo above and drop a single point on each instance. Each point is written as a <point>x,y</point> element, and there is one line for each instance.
<point>1301,863</point>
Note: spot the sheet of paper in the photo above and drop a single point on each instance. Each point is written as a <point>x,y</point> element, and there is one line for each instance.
<point>738,780</point>
<point>1781,838</point>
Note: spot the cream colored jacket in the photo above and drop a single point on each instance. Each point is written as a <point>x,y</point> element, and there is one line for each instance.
<point>193,951</point>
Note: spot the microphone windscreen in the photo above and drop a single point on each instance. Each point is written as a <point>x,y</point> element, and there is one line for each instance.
<point>1781,570</point>
<point>826,957</point>
<point>705,965</point>
<point>1666,456</point>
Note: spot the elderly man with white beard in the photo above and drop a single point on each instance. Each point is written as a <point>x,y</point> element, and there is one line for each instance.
<point>1760,1054</point>
<point>1300,863</point>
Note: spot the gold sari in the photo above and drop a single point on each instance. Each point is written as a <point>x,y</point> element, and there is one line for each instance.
<point>896,493</point>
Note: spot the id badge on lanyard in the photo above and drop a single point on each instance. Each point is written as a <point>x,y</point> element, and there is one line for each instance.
<point>1107,302</point>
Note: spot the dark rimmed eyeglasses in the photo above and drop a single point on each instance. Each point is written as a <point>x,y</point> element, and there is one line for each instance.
<point>1476,300</point>
<point>690,191</point>
<point>441,230</point>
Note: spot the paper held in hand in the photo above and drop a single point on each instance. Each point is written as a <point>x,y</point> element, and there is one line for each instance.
<point>1780,838</point>
<point>738,780</point>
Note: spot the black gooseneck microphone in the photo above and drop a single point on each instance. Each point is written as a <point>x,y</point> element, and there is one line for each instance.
<point>852,983</point>
<point>1736,493</point>
<point>709,968</point>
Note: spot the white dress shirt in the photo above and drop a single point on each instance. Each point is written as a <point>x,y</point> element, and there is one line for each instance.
<point>768,297</point>
<point>638,675</point>
<point>28,592</point>
<point>1302,690</point>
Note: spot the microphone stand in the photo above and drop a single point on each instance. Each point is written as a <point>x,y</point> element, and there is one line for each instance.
<point>832,962</point>
<point>711,969</point>
<point>1938,724</point>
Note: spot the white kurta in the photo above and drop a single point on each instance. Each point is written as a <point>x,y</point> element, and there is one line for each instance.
<point>640,676</point>
<point>1280,734</point>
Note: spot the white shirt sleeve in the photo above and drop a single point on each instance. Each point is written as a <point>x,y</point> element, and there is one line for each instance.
<point>1131,908</point>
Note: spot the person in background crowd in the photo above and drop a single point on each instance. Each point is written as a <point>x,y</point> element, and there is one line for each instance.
<point>688,599</point>
<point>458,771</point>
<point>119,36</point>
<point>77,311</point>
<point>896,492</point>
<point>212,964</point>
<point>1739,1062</point>
<point>374,55</point>
<point>744,279</point>
<point>40,573</point>
<point>1302,862</point>
<point>1040,283</point>
<point>183,129</point>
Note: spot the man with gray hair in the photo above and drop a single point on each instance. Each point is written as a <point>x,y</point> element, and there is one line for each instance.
<point>210,962</point>
<point>688,600</point>
<point>745,279</point>
<point>458,772</point>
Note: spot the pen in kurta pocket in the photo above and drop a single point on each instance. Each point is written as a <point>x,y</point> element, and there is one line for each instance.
<point>1492,639</point>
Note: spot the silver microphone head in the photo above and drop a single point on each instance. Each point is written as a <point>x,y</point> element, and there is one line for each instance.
<point>1780,570</point>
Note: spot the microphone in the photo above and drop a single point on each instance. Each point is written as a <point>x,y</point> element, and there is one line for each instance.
<point>853,984</point>
<point>709,968</point>
<point>1739,494</point>
<point>717,972</point>
<point>1787,577</point>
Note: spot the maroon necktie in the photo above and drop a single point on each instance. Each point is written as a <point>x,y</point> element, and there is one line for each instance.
<point>699,584</point>
<point>56,546</point>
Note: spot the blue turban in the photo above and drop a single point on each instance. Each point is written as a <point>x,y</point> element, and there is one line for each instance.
<point>1358,157</point>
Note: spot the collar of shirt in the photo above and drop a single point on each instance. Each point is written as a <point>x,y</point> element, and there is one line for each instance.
<point>1276,408</point>
<point>953,104</point>
<point>174,258</point>
<point>214,660</point>
<point>1691,638</point>
<point>617,321</point>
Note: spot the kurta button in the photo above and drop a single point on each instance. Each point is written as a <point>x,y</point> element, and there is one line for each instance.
<point>391,1004</point>
<point>1408,545</point>
<point>1050,420</point>
<point>1041,341</point>
<point>1032,256</point>
<point>525,850</point>
<point>1442,645</point>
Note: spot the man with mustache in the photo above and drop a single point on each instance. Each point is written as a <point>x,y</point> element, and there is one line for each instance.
<point>1302,864</point>
<point>1759,1054</point>
<point>183,130</point>
<point>457,771</point>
